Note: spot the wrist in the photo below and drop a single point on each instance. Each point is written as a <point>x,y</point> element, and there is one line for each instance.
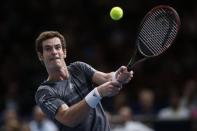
<point>100,92</point>
<point>114,76</point>
<point>93,98</point>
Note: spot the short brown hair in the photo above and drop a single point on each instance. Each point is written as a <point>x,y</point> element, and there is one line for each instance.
<point>47,35</point>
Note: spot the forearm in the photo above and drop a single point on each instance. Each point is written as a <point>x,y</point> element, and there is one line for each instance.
<point>73,115</point>
<point>100,77</point>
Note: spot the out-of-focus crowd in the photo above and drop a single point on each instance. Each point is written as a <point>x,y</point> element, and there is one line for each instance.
<point>163,89</point>
<point>179,112</point>
<point>143,114</point>
<point>12,121</point>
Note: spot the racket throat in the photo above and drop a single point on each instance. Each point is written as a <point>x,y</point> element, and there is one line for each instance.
<point>136,58</point>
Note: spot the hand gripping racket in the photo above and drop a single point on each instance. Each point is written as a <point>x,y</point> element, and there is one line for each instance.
<point>157,31</point>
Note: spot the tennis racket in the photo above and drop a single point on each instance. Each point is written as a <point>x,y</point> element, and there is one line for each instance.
<point>157,31</point>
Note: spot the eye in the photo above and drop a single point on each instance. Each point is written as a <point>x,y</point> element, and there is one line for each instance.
<point>47,48</point>
<point>58,47</point>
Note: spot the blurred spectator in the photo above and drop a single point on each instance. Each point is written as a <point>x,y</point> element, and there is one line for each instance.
<point>40,122</point>
<point>98,40</point>
<point>189,98</point>
<point>10,121</point>
<point>25,126</point>
<point>127,123</point>
<point>120,100</point>
<point>174,111</point>
<point>12,95</point>
<point>12,125</point>
<point>145,108</point>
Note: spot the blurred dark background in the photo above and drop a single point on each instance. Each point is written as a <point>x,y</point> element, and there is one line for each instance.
<point>93,37</point>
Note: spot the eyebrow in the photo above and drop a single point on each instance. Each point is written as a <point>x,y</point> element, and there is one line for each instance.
<point>52,45</point>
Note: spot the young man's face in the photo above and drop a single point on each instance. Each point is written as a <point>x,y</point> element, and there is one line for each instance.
<point>53,54</point>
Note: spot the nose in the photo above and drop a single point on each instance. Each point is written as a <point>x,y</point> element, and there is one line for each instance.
<point>54,51</point>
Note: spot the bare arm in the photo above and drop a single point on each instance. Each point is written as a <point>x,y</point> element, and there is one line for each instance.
<point>121,75</point>
<point>71,116</point>
<point>101,77</point>
<point>75,114</point>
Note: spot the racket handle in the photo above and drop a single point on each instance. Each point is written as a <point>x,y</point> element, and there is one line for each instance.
<point>130,64</point>
<point>133,63</point>
<point>132,60</point>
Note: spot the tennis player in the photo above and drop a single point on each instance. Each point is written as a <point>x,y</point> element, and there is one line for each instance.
<point>71,95</point>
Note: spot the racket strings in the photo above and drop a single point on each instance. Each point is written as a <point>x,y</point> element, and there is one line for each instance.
<point>149,41</point>
<point>173,30</point>
<point>158,44</point>
<point>158,31</point>
<point>156,34</point>
<point>148,34</point>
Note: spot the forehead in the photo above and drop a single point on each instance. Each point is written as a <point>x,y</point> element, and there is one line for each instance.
<point>51,42</point>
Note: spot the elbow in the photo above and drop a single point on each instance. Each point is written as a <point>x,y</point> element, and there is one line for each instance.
<point>70,123</point>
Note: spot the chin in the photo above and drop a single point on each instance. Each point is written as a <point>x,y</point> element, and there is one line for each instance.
<point>55,65</point>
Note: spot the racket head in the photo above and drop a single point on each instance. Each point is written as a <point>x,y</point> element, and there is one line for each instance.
<point>158,30</point>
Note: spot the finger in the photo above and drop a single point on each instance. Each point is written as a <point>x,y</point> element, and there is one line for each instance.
<point>131,75</point>
<point>127,81</point>
<point>114,86</point>
<point>121,69</point>
<point>124,70</point>
<point>131,72</point>
<point>118,87</point>
<point>116,90</point>
<point>115,83</point>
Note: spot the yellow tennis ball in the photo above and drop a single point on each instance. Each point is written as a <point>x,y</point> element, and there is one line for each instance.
<point>116,13</point>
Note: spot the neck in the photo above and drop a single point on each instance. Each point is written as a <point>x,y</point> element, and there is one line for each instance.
<point>58,74</point>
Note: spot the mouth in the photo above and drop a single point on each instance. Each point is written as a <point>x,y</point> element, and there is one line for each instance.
<point>54,58</point>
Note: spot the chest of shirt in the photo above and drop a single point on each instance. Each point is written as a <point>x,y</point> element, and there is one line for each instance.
<point>72,91</point>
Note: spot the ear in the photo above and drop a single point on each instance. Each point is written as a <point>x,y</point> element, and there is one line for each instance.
<point>40,56</point>
<point>65,53</point>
